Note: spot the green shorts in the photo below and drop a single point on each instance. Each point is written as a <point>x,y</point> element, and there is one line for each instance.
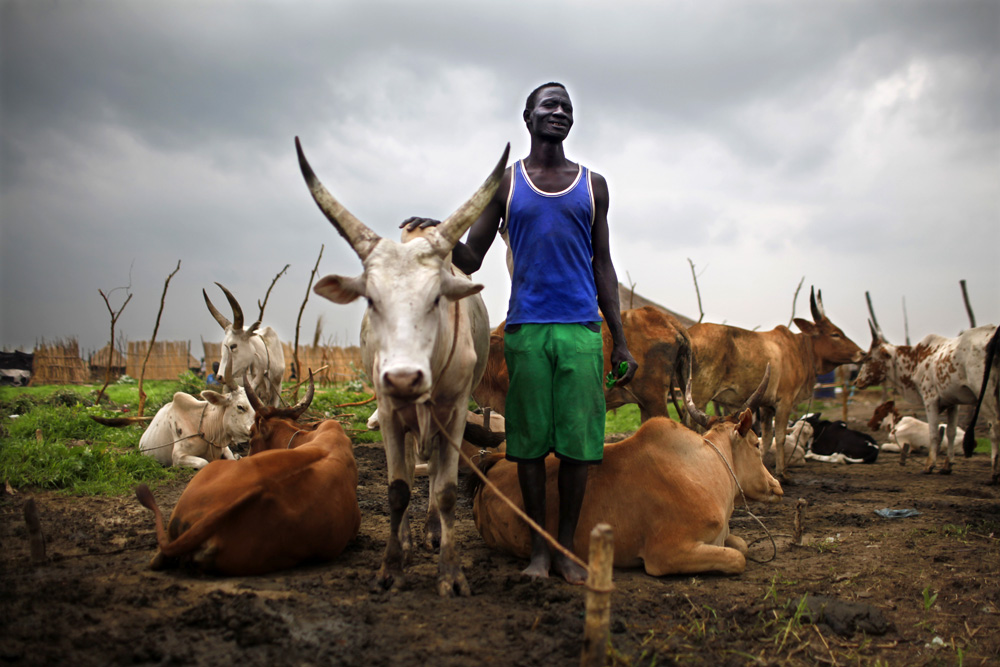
<point>555,402</point>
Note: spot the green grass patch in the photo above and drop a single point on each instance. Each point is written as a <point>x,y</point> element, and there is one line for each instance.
<point>49,441</point>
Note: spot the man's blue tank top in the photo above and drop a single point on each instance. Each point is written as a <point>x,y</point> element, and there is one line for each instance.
<point>550,239</point>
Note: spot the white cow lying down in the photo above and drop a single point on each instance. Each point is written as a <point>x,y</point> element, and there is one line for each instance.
<point>906,431</point>
<point>797,440</point>
<point>191,432</point>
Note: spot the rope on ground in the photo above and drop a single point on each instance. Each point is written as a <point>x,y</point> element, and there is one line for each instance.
<point>746,505</point>
<point>517,510</point>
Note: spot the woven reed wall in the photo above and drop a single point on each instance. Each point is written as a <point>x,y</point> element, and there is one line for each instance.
<point>59,363</point>
<point>99,364</point>
<point>168,360</point>
<point>339,360</point>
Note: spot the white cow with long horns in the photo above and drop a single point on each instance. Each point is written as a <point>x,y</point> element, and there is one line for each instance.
<point>255,351</point>
<point>424,344</point>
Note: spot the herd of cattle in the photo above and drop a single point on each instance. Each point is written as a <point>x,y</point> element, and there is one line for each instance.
<point>427,347</point>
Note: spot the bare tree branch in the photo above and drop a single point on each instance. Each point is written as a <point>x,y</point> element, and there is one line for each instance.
<point>267,296</point>
<point>298,321</point>
<point>111,341</point>
<point>156,328</point>
<point>694,276</point>
<point>906,323</point>
<point>968,306</point>
<point>795,299</point>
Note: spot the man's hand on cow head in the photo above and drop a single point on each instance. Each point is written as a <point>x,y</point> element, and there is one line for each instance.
<point>414,223</point>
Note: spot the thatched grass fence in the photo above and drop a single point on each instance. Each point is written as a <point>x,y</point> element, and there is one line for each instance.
<point>167,361</point>
<point>341,362</point>
<point>59,363</point>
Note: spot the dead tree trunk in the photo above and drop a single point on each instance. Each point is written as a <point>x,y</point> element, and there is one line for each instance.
<point>152,341</point>
<point>111,342</point>
<point>298,322</point>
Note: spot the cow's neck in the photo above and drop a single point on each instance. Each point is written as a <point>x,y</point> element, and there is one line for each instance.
<point>809,354</point>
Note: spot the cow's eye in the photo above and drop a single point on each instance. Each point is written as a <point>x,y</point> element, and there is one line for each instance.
<point>241,408</point>
<point>233,347</point>
<point>437,300</point>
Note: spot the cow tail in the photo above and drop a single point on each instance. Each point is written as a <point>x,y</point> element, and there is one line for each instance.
<point>146,499</point>
<point>192,538</point>
<point>682,371</point>
<point>473,483</point>
<point>969,442</point>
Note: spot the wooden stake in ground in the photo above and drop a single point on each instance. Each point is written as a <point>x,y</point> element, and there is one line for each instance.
<point>152,341</point>
<point>35,537</point>
<point>800,508</point>
<point>595,629</point>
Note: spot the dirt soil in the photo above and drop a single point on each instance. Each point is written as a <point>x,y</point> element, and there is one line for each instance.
<point>921,590</point>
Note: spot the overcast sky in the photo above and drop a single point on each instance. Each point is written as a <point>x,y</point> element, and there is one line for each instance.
<point>855,144</point>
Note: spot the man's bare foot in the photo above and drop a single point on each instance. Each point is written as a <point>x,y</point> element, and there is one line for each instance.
<point>570,571</point>
<point>538,568</point>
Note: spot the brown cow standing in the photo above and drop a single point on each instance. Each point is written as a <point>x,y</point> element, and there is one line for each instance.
<point>293,500</point>
<point>656,339</point>
<point>728,361</point>
<point>666,492</point>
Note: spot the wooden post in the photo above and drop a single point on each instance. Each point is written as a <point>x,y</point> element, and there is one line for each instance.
<point>35,537</point>
<point>595,629</point>
<point>800,507</point>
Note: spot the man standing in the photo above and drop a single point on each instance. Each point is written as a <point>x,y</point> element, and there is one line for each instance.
<point>553,213</point>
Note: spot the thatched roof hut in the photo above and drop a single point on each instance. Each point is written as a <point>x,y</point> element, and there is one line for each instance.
<point>99,363</point>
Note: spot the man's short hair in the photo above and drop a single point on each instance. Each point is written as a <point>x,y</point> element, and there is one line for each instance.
<point>533,96</point>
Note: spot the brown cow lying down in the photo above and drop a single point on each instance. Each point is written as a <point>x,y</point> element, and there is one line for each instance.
<point>666,493</point>
<point>271,510</point>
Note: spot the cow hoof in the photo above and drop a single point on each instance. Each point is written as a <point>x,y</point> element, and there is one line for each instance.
<point>387,580</point>
<point>451,586</point>
<point>945,470</point>
<point>928,469</point>
<point>785,479</point>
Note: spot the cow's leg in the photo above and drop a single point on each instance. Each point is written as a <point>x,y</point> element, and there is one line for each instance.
<point>400,466</point>
<point>692,559</point>
<point>432,524</point>
<point>774,423</point>
<point>444,480</point>
<point>182,460</point>
<point>738,543</point>
<point>952,416</point>
<point>934,438</point>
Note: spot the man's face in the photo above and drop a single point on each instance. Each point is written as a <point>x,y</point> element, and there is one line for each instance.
<point>552,116</point>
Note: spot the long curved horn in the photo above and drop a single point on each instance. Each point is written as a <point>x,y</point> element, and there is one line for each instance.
<point>697,415</point>
<point>361,238</point>
<point>255,403</point>
<point>230,382</point>
<point>754,401</point>
<point>450,231</point>
<point>300,407</point>
<point>219,317</point>
<point>235,305</point>
<point>816,304</point>
<point>877,336</point>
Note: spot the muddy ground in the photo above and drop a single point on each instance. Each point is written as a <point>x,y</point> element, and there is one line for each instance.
<point>922,590</point>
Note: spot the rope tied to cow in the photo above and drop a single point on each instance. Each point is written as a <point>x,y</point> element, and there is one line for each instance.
<point>517,510</point>
<point>199,434</point>
<point>746,505</point>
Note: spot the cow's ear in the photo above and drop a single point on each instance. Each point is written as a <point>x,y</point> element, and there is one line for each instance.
<point>745,423</point>
<point>340,289</point>
<point>455,287</point>
<point>214,397</point>
<point>806,327</point>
